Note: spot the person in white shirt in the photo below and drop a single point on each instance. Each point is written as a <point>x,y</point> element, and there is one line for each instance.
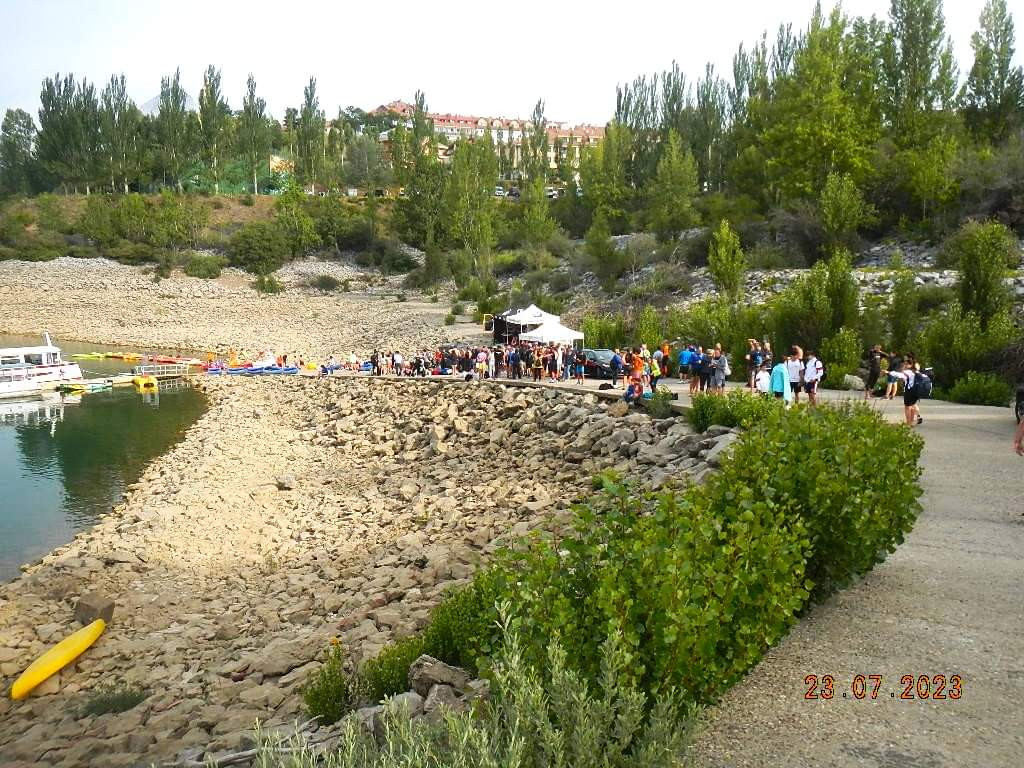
<point>813,370</point>
<point>795,369</point>
<point>762,381</point>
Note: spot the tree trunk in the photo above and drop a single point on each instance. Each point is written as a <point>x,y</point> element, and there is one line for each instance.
<point>255,187</point>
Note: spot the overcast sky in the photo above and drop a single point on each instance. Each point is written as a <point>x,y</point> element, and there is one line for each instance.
<point>485,58</point>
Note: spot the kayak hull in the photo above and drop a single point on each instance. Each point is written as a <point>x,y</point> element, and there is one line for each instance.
<point>55,659</point>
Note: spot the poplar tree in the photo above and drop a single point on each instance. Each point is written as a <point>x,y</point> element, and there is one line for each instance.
<point>253,132</point>
<point>17,135</point>
<point>310,136</point>
<point>119,129</point>
<point>993,96</point>
<point>172,129</point>
<point>214,124</point>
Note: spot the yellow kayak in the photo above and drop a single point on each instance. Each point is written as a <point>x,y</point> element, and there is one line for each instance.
<point>89,356</point>
<point>55,659</point>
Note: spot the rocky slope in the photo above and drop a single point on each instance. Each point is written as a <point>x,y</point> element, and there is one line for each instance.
<point>296,510</point>
<point>105,302</point>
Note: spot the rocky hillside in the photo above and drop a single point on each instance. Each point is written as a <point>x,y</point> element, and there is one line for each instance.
<point>296,510</point>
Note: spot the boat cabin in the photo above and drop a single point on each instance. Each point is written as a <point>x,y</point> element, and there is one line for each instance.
<point>19,357</point>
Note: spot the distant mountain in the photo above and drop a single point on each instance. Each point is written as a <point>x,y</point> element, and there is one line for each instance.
<point>152,107</point>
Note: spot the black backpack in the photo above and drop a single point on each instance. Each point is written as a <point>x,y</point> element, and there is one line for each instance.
<point>923,384</point>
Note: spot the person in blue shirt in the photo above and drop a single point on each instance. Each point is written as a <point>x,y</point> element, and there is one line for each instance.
<point>616,366</point>
<point>779,386</point>
<point>685,359</point>
<point>634,392</point>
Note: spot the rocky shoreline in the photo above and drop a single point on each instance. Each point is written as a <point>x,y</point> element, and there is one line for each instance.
<point>292,512</point>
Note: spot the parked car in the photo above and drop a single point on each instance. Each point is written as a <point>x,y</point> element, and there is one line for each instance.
<point>499,192</point>
<point>599,363</point>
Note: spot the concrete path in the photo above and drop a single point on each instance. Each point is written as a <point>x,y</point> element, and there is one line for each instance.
<point>949,601</point>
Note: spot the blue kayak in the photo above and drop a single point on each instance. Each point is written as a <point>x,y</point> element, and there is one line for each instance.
<point>278,369</point>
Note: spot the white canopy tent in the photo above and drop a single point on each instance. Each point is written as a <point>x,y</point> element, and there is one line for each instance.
<point>532,315</point>
<point>552,332</point>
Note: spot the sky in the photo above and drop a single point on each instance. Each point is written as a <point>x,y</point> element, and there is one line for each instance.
<point>481,58</point>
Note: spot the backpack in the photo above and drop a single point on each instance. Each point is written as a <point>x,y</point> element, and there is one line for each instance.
<point>728,370</point>
<point>923,384</point>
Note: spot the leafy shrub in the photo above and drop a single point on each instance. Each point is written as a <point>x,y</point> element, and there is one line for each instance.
<point>434,298</point>
<point>931,297</point>
<point>538,717</point>
<point>660,404</point>
<point>605,331</point>
<point>559,282</point>
<point>259,247</point>
<point>247,200</point>
<point>331,692</point>
<point>840,355</point>
<point>954,342</point>
<point>96,221</point>
<point>267,284</point>
<point>559,245</point>
<point>204,266</point>
<point>7,253</point>
<point>83,252</point>
<point>737,408</point>
<point>984,253</point>
<point>387,674</point>
<point>133,253</point>
<point>509,263</point>
<point>449,319</point>
<point>854,487</point>
<point>401,297</point>
<point>817,305</point>
<point>458,308</point>
<point>387,255</point>
<point>113,698</point>
<point>978,240</point>
<point>462,627</point>
<point>768,256</point>
<point>217,204</point>
<point>325,283</point>
<point>49,213</point>
<point>981,389</point>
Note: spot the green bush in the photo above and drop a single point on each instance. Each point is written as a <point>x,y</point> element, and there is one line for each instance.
<point>204,266</point>
<point>660,404</point>
<point>387,674</point>
<point>449,319</point>
<point>509,263</point>
<point>854,485</point>
<point>840,355</point>
<point>247,200</point>
<point>267,284</point>
<point>559,282</point>
<point>458,308</point>
<point>954,342</point>
<point>604,331</point>
<point>768,256</point>
<point>434,298</point>
<point>113,698</point>
<point>83,252</point>
<point>462,627</point>
<point>96,221</point>
<point>737,408</point>
<point>332,692</point>
<point>931,297</point>
<point>559,245</point>
<point>7,253</point>
<point>133,253</point>
<point>981,389</point>
<point>977,241</point>
<point>325,283</point>
<point>537,717</point>
<point>50,215</point>
<point>259,247</point>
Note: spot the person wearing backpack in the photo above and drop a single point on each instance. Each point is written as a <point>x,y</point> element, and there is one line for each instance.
<point>814,371</point>
<point>911,412</point>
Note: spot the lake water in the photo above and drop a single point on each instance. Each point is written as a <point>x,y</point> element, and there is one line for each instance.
<point>65,461</point>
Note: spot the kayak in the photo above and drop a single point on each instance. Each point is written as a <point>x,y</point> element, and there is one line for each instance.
<point>89,356</point>
<point>55,659</point>
<point>131,357</point>
<point>277,369</point>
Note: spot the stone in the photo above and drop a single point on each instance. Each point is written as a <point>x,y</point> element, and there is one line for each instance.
<point>853,382</point>
<point>427,672</point>
<point>410,701</point>
<point>439,699</point>
<point>714,456</point>
<point>618,409</point>
<point>92,606</point>
<point>285,482</point>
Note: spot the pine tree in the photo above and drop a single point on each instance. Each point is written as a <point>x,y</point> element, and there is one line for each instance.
<point>726,262</point>
<point>673,190</point>
<point>17,135</point>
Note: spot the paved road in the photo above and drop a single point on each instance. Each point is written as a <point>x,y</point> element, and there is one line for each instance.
<point>947,602</point>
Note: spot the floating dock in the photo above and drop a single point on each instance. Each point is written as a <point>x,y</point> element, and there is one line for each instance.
<point>160,371</point>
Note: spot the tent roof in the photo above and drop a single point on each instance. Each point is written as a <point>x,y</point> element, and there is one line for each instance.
<point>532,315</point>
<point>551,331</point>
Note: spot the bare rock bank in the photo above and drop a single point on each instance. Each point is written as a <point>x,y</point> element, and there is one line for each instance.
<point>294,511</point>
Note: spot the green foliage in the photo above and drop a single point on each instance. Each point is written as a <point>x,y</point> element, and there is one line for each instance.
<point>903,310</point>
<point>673,190</point>
<point>247,200</point>
<point>726,262</point>
<point>607,262</point>
<point>113,698</point>
<point>604,331</point>
<point>536,226</point>
<point>660,404</point>
<point>449,319</point>
<point>462,627</point>
<point>843,209</point>
<point>817,305</point>
<point>983,253</point>
<point>387,674</point>
<point>325,283</point>
<point>768,256</point>
<point>331,692</point>
<point>96,222</point>
<point>458,308</point>
<point>259,247</point>
<point>840,355</point>
<point>537,717</point>
<point>737,408</point>
<point>854,487</point>
<point>647,327</point>
<point>49,213</point>
<point>295,224</point>
<point>981,389</point>
<point>200,265</point>
<point>954,342</point>
<point>931,297</point>
<point>267,284</point>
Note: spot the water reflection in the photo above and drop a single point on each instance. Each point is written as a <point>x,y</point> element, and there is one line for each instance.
<point>65,462</point>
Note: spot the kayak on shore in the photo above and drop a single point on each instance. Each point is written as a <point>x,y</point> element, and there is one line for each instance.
<point>55,659</point>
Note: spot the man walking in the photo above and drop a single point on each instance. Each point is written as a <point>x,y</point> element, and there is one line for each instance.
<point>795,368</point>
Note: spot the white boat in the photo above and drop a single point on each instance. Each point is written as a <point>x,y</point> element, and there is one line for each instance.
<point>16,382</point>
<point>42,364</point>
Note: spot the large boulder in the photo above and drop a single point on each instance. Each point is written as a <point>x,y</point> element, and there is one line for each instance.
<point>426,672</point>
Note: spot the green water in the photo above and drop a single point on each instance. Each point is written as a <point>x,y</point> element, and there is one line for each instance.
<point>65,461</point>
